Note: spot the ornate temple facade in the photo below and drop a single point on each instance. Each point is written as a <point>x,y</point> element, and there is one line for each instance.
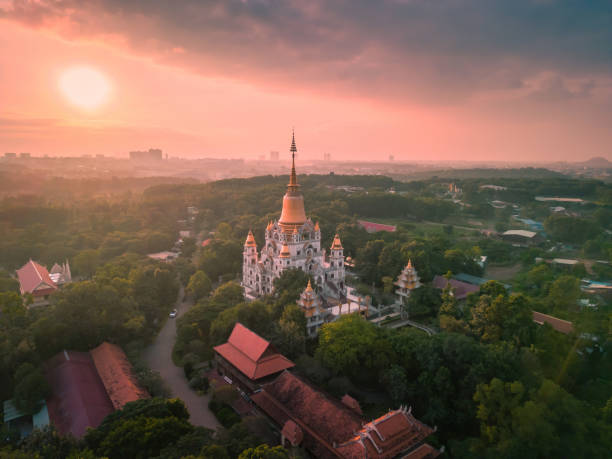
<point>292,242</point>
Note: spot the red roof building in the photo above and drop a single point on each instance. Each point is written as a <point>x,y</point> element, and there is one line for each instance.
<point>35,280</point>
<point>460,289</point>
<point>330,429</point>
<point>372,227</point>
<point>249,359</point>
<point>86,387</point>
<point>116,374</point>
<point>395,433</point>
<point>560,325</point>
<point>78,398</point>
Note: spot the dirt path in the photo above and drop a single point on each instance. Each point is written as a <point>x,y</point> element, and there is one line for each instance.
<point>158,357</point>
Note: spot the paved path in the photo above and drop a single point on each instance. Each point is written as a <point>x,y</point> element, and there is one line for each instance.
<point>402,323</point>
<point>158,357</point>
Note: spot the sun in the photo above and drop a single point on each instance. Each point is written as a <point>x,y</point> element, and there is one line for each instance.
<point>85,87</point>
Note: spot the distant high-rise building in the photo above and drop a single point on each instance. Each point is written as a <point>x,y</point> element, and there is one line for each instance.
<point>153,154</point>
<point>391,158</point>
<point>25,155</point>
<point>274,156</point>
<point>326,156</point>
<point>10,155</point>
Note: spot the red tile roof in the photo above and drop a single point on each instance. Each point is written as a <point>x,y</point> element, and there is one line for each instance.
<point>251,354</point>
<point>324,421</point>
<point>116,374</point>
<point>424,451</point>
<point>34,278</point>
<point>372,227</point>
<point>330,429</point>
<point>560,325</point>
<point>78,398</point>
<point>352,403</point>
<point>293,433</point>
<point>387,436</point>
<point>206,242</point>
<point>460,289</point>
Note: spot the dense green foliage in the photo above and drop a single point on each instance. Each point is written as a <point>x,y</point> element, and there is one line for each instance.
<point>494,383</point>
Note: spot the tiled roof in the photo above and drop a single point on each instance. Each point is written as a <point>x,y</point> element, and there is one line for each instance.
<point>251,354</point>
<point>560,325</point>
<point>116,374</point>
<point>292,432</point>
<point>324,421</point>
<point>387,436</point>
<point>374,227</point>
<point>424,451</point>
<point>460,289</point>
<point>78,399</point>
<point>330,429</point>
<point>34,278</point>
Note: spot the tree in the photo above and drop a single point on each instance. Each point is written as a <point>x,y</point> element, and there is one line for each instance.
<point>354,347</point>
<point>563,294</point>
<point>395,382</point>
<point>548,423</point>
<point>449,302</point>
<point>30,388</point>
<point>264,452</point>
<point>502,318</point>
<point>86,262</point>
<point>7,283</point>
<point>199,285</point>
<point>424,301</point>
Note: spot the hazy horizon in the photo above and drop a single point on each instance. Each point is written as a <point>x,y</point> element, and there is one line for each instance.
<point>525,81</point>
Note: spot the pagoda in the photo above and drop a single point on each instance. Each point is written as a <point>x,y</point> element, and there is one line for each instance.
<point>406,282</point>
<point>310,303</point>
<point>293,242</point>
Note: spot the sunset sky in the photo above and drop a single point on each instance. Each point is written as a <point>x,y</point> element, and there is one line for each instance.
<point>515,80</point>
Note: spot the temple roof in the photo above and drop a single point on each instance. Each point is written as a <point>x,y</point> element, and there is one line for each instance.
<point>33,276</point>
<point>336,245</point>
<point>251,354</point>
<point>250,240</point>
<point>117,375</point>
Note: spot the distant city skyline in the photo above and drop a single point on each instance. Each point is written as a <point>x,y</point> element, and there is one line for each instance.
<point>525,81</point>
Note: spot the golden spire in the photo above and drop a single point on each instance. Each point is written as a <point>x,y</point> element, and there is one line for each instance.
<point>293,178</point>
<point>293,202</point>
<point>409,265</point>
<point>308,287</point>
<point>250,240</point>
<point>336,245</point>
<point>317,227</point>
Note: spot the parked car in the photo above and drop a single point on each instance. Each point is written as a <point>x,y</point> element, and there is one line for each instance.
<point>173,313</point>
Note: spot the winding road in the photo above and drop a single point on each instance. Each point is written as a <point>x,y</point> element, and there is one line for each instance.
<point>158,356</point>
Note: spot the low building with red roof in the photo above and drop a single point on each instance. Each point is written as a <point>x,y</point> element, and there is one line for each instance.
<point>329,429</point>
<point>116,374</point>
<point>248,359</point>
<point>563,326</point>
<point>372,227</point>
<point>460,289</point>
<point>34,279</point>
<point>78,398</point>
<point>88,386</point>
